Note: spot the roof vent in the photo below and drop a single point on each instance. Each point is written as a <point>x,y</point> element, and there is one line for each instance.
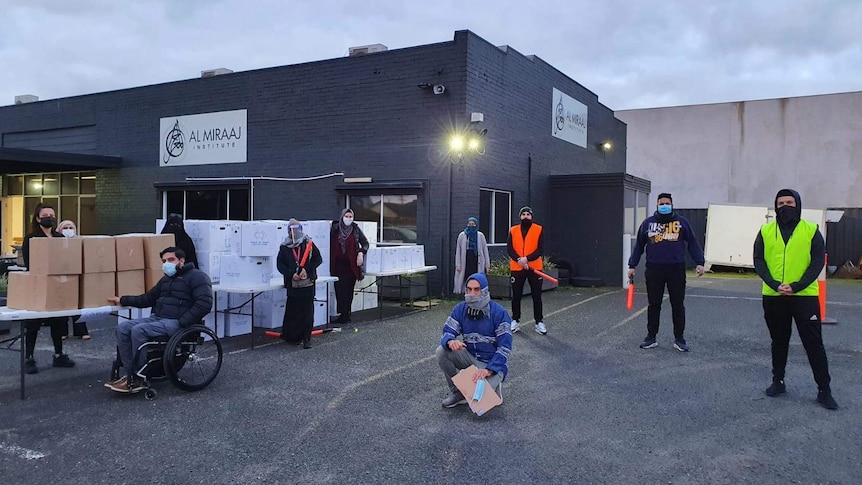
<point>366,49</point>
<point>26,98</point>
<point>215,72</point>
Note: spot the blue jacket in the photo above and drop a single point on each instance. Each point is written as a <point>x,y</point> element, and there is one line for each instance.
<point>489,339</point>
<point>665,242</point>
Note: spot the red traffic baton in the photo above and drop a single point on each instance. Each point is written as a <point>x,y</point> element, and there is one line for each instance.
<point>630,300</point>
<point>270,333</point>
<point>549,278</point>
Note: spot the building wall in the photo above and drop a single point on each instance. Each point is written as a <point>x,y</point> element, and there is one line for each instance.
<point>363,116</point>
<point>744,152</point>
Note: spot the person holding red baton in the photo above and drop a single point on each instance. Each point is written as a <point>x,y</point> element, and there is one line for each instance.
<point>525,247</point>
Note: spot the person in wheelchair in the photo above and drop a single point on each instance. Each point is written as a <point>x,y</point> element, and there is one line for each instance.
<point>181,298</point>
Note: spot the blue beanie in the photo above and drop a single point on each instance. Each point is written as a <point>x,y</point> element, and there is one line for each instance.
<point>481,278</point>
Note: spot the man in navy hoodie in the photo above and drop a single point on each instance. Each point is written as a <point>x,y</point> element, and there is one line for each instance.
<point>665,235</point>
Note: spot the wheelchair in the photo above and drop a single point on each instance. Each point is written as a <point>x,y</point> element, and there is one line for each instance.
<point>188,359</point>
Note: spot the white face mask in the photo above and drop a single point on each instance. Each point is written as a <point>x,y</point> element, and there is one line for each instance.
<point>347,220</point>
<point>68,232</point>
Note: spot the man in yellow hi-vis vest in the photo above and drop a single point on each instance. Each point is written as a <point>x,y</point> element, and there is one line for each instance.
<point>789,254</point>
<point>525,247</point>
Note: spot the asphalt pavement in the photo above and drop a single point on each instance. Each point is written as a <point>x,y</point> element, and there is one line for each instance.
<point>582,404</point>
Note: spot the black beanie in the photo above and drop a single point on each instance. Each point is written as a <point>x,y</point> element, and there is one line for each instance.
<point>665,195</point>
<point>526,208</point>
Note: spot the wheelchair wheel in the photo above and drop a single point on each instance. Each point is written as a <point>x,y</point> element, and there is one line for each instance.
<point>150,394</point>
<point>191,362</point>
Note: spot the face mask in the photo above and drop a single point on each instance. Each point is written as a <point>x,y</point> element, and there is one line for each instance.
<point>787,214</point>
<point>347,220</point>
<point>169,269</point>
<point>68,232</point>
<point>47,222</point>
<point>665,209</point>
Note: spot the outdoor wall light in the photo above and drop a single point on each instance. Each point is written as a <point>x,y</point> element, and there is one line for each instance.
<point>606,146</point>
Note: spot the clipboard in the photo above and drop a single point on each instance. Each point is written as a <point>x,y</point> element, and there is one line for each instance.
<point>464,382</point>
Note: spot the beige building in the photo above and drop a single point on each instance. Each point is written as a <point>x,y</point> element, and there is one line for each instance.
<point>743,152</point>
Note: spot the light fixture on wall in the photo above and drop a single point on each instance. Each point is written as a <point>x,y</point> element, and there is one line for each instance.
<point>605,146</point>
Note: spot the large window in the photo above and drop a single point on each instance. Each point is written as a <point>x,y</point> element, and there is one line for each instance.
<point>208,204</point>
<point>71,194</point>
<point>495,215</point>
<point>395,215</point>
<point>635,210</point>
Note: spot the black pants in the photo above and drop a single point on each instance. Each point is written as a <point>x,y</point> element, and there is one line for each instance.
<point>59,327</point>
<point>518,278</point>
<point>298,315</point>
<point>779,311</point>
<point>657,277</point>
<point>344,295</point>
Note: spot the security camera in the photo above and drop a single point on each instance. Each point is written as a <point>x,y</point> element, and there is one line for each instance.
<point>439,89</point>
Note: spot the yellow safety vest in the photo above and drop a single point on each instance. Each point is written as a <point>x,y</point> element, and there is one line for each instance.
<point>788,262</point>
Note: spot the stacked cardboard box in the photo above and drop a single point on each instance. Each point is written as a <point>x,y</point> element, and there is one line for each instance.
<point>52,282</point>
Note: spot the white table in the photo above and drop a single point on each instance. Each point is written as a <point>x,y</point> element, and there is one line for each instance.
<point>254,291</point>
<point>9,315</point>
<point>399,273</point>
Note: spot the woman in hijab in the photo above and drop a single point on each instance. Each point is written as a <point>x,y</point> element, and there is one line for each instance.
<point>79,329</point>
<point>471,254</point>
<point>174,225</point>
<point>298,259</point>
<point>347,253</point>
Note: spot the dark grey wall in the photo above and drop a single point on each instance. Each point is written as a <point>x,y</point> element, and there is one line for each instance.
<point>364,116</point>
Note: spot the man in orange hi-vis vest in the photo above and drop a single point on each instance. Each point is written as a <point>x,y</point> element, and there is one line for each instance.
<point>525,248</point>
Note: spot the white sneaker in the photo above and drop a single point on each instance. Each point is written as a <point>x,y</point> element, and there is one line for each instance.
<point>540,328</point>
<point>516,327</point>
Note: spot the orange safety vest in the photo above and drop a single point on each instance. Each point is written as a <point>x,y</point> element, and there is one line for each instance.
<point>524,247</point>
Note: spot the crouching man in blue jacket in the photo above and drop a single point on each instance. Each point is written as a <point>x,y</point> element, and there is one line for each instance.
<point>486,342</point>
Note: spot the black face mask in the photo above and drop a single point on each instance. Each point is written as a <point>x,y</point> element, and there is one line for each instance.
<point>47,222</point>
<point>787,215</point>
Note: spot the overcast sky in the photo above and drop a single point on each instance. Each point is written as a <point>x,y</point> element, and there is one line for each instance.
<point>632,54</point>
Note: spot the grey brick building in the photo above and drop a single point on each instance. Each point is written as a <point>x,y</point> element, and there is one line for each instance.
<point>378,116</point>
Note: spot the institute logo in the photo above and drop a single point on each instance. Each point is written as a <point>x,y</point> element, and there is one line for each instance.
<point>175,143</point>
<point>559,117</point>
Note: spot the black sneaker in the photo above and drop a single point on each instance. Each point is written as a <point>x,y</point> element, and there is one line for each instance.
<point>30,367</point>
<point>679,344</point>
<point>63,360</point>
<point>454,399</point>
<point>826,400</point>
<point>649,343</point>
<point>776,388</point>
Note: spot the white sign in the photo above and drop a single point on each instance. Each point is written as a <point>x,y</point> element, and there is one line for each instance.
<point>568,119</point>
<point>203,139</point>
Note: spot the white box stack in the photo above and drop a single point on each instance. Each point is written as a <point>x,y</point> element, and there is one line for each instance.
<point>269,307</point>
<point>210,263</point>
<point>417,256</point>
<point>319,232</point>
<point>320,317</point>
<point>374,260</point>
<point>236,324</point>
<point>237,271</point>
<point>370,230</point>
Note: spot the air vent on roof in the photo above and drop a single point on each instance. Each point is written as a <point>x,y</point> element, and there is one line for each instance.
<point>26,98</point>
<point>366,49</point>
<point>215,72</point>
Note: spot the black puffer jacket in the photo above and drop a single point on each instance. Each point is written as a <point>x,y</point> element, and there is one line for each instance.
<point>186,296</point>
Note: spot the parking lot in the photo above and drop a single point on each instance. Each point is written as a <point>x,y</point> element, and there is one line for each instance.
<point>581,405</point>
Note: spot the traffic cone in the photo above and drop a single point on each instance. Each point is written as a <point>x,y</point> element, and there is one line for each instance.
<point>821,283</point>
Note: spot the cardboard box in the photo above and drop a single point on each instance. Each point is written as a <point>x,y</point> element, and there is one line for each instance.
<point>131,283</point>
<point>417,256</point>
<point>374,260</point>
<point>236,324</point>
<point>241,271</point>
<point>130,252</point>
<point>100,254</point>
<point>151,277</point>
<point>320,317</point>
<point>210,236</point>
<point>210,263</point>
<point>153,245</point>
<point>96,288</point>
<point>42,293</point>
<point>254,238</point>
<point>56,255</point>
<point>209,322</point>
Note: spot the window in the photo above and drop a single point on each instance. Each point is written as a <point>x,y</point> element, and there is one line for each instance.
<point>395,215</point>
<point>495,214</point>
<point>71,194</point>
<point>207,204</point>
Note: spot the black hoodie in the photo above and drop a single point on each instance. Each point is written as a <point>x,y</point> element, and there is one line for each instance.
<point>818,249</point>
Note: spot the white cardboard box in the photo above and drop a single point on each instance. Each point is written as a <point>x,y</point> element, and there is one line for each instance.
<point>320,317</point>
<point>417,256</point>
<point>370,230</point>
<point>210,263</point>
<point>254,238</point>
<point>374,260</point>
<point>245,270</point>
<point>209,322</point>
<point>212,236</point>
<point>236,324</point>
